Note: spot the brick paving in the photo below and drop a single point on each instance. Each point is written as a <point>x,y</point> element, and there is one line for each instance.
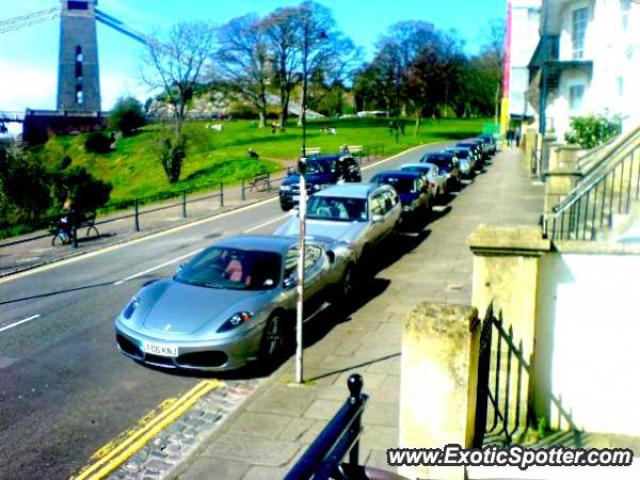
<point>269,431</point>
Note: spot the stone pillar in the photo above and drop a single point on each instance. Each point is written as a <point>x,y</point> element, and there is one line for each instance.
<point>561,175</point>
<point>440,346</point>
<point>506,271</point>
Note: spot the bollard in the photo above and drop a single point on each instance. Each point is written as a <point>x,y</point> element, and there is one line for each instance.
<point>243,194</point>
<point>184,204</point>
<point>269,182</point>
<point>136,215</point>
<point>221,194</point>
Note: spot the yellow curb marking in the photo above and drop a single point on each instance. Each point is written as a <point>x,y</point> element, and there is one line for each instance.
<point>109,457</point>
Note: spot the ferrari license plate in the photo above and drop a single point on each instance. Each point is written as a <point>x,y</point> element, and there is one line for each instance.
<point>160,349</point>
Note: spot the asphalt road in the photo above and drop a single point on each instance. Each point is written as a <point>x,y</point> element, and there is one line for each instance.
<point>65,390</point>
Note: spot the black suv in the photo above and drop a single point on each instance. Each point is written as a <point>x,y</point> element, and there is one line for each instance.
<point>321,172</point>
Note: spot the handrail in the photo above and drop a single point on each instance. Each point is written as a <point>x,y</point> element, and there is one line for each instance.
<point>618,155</point>
<point>339,437</point>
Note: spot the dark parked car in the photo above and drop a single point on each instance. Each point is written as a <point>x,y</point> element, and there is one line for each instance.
<point>414,191</point>
<point>321,172</point>
<point>476,146</point>
<point>466,158</point>
<point>448,165</point>
<point>489,143</point>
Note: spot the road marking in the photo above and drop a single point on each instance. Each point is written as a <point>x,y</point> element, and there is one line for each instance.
<point>133,242</point>
<point>157,267</point>
<point>180,227</point>
<point>258,227</point>
<point>106,459</point>
<point>32,317</point>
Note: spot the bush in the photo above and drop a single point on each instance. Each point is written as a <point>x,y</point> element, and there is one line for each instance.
<point>127,116</point>
<point>592,130</point>
<point>86,192</point>
<point>172,150</point>
<point>98,142</point>
<point>24,188</point>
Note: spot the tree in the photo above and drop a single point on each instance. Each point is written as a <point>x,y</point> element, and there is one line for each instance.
<point>176,65</point>
<point>86,192</point>
<point>282,32</point>
<point>127,115</point>
<point>176,68</point>
<point>327,56</point>
<point>243,63</point>
<point>24,188</point>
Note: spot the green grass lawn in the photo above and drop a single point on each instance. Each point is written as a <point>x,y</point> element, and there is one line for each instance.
<point>135,171</point>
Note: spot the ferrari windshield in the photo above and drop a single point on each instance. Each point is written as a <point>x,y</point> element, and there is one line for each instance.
<point>338,209</point>
<point>232,268</point>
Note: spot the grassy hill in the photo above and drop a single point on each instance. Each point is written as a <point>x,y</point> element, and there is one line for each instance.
<point>135,171</point>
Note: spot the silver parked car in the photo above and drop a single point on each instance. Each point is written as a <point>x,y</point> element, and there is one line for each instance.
<point>232,303</point>
<point>437,181</point>
<point>361,214</point>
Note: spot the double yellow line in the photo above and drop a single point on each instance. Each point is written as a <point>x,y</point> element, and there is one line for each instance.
<point>117,451</point>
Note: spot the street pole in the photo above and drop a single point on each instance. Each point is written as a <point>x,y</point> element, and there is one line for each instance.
<point>300,287</point>
<point>302,212</point>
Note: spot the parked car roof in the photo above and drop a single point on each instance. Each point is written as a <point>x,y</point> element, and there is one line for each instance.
<point>350,190</point>
<point>438,155</point>
<point>398,174</point>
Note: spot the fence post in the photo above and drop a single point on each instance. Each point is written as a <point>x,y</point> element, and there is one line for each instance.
<point>74,228</point>
<point>136,215</point>
<point>355,384</point>
<point>184,204</point>
<point>243,195</point>
<point>222,194</point>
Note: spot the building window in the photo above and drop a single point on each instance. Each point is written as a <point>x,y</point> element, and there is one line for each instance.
<point>77,5</point>
<point>625,6</point>
<point>79,56</point>
<point>579,20</point>
<point>620,84</point>
<point>576,93</point>
<point>79,95</point>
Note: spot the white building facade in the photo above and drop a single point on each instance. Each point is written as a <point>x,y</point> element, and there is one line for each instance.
<point>525,29</point>
<point>591,54</point>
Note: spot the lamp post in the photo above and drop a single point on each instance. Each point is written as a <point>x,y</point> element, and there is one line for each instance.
<point>302,207</point>
<point>302,202</point>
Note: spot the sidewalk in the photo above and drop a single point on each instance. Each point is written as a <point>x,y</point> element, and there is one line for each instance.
<point>275,425</point>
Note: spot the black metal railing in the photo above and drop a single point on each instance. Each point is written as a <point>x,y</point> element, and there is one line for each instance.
<point>503,413</point>
<point>610,190</point>
<point>502,401</point>
<point>323,459</point>
<point>610,187</point>
<point>255,187</point>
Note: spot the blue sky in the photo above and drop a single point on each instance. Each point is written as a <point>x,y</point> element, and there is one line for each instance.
<point>28,57</point>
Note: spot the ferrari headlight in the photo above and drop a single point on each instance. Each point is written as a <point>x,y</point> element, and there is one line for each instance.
<point>285,188</point>
<point>236,320</point>
<point>130,308</point>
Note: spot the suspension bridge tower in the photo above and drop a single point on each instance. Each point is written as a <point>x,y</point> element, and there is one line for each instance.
<point>78,68</point>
